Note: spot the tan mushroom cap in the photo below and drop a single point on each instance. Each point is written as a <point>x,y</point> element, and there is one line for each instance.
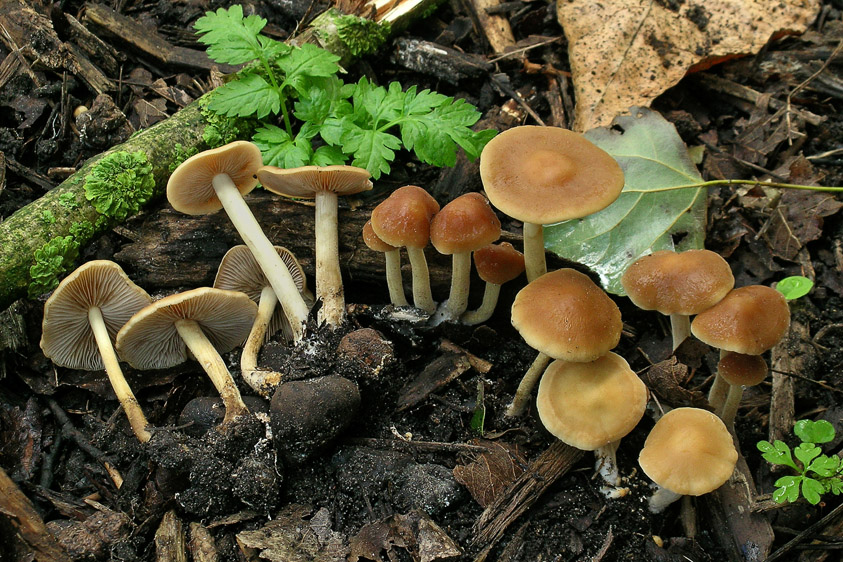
<point>739,369</point>
<point>498,263</point>
<point>190,188</point>
<point>689,451</point>
<point>306,181</point>
<point>66,335</point>
<point>373,242</point>
<point>544,175</point>
<point>589,405</point>
<point>684,283</point>
<point>748,320</point>
<point>565,315</point>
<point>403,218</point>
<point>149,340</point>
<point>465,224</point>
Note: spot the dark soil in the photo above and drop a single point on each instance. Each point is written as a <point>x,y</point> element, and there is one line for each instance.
<point>366,480</point>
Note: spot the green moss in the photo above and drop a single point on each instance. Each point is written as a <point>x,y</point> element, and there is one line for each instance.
<point>219,129</point>
<point>82,231</point>
<point>180,154</point>
<point>52,260</point>
<point>48,217</point>
<point>361,35</point>
<point>68,200</point>
<point>119,184</point>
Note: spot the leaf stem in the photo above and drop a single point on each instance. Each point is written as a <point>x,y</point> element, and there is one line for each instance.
<point>715,183</point>
<point>280,90</point>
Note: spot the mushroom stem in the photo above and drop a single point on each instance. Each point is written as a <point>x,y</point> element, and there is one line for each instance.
<point>115,376</point>
<point>730,407</point>
<point>606,463</point>
<point>422,297</point>
<point>273,267</point>
<point>719,389</point>
<point>204,352</point>
<point>525,387</point>
<point>393,278</point>
<point>680,328</point>
<point>487,307</point>
<point>259,381</point>
<point>661,499</point>
<point>328,277</point>
<point>457,301</point>
<point>534,260</point>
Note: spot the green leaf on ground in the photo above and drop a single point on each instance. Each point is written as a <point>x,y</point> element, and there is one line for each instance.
<point>645,218</point>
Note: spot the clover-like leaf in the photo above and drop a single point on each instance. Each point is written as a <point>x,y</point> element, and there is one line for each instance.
<point>794,287</point>
<point>820,431</point>
<point>812,490</point>
<point>825,466</point>
<point>776,453</point>
<point>806,452</point>
<point>787,489</point>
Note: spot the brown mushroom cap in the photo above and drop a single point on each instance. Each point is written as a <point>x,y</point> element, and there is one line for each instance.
<point>190,188</point>
<point>306,181</point>
<point>498,263</point>
<point>465,224</point>
<point>684,283</point>
<point>66,335</point>
<point>149,340</point>
<point>748,320</point>
<point>543,175</point>
<point>403,218</point>
<point>373,242</point>
<point>563,314</point>
<point>689,451</point>
<point>589,405</point>
<point>739,369</point>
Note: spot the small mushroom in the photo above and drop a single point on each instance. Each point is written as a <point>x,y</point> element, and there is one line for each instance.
<point>460,227</point>
<point>564,315</point>
<point>678,284</point>
<point>205,321</point>
<point>591,406</point>
<point>81,320</point>
<point>496,264</point>
<point>739,371</point>
<point>403,220</point>
<point>392,257</point>
<point>324,185</point>
<point>217,179</point>
<point>543,175</point>
<point>239,271</point>
<point>688,452</point>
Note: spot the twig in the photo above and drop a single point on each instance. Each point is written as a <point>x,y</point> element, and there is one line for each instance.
<point>794,91</point>
<point>417,446</point>
<point>829,518</point>
<point>514,52</point>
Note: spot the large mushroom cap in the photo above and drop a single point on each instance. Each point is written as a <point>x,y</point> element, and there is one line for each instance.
<point>739,369</point>
<point>498,263</point>
<point>563,314</point>
<point>190,188</point>
<point>464,225</point>
<point>544,175</point>
<point>66,335</point>
<point>403,218</point>
<point>684,283</point>
<point>306,181</point>
<point>748,320</point>
<point>689,452</point>
<point>589,405</point>
<point>149,340</point>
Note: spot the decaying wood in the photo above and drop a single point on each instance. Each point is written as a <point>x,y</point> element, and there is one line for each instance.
<point>22,28</point>
<point>106,56</point>
<point>792,355</point>
<point>555,461</point>
<point>440,61</point>
<point>494,27</point>
<point>435,375</point>
<point>170,545</point>
<point>785,552</point>
<point>202,546</point>
<point>29,526</point>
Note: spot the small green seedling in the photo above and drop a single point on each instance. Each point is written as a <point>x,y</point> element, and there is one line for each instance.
<point>794,287</point>
<point>818,474</point>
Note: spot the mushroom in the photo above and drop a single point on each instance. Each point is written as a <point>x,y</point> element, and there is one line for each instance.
<point>460,227</point>
<point>205,321</point>
<point>543,175</point>
<point>403,219</point>
<point>678,285</point>
<point>564,316</point>
<point>392,256</point>
<point>217,179</point>
<point>239,271</point>
<point>496,264</point>
<point>81,319</point>
<point>591,406</point>
<point>749,320</point>
<point>688,452</point>
<point>738,370</point>
<point>324,185</point>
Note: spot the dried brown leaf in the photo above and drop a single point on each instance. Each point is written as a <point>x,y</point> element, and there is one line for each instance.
<point>290,537</point>
<point>416,532</point>
<point>490,472</point>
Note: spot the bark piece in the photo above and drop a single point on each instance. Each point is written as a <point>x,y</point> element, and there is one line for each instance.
<point>495,27</point>
<point>170,540</point>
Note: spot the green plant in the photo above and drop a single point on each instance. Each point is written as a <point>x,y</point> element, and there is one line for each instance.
<point>119,184</point>
<point>794,287</point>
<point>51,261</point>
<point>818,474</point>
<point>310,116</point>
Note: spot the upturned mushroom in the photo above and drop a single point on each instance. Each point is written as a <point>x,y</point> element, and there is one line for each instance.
<point>81,320</point>
<point>465,224</point>
<point>403,220</point>
<point>496,264</point>
<point>679,285</point>
<point>217,179</point>
<point>392,258</point>
<point>564,315</point>
<point>206,322</point>
<point>738,371</point>
<point>322,184</point>
<point>543,175</point>
<point>239,271</point>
